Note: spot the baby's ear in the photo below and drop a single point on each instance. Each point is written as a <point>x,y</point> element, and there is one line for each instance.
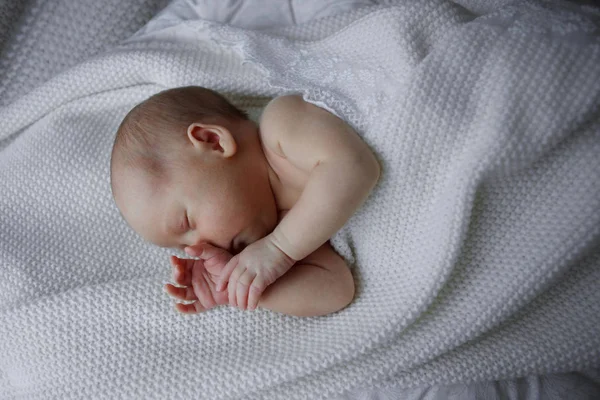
<point>209,137</point>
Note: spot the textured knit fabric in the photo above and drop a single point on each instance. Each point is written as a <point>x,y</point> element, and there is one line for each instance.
<point>40,38</point>
<point>475,258</point>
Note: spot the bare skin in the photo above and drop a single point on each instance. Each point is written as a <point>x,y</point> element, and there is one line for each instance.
<point>301,291</point>
<point>257,207</point>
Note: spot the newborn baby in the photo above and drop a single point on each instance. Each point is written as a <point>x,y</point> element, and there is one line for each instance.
<point>256,205</point>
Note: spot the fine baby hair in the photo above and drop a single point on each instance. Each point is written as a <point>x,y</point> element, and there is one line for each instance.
<point>153,131</point>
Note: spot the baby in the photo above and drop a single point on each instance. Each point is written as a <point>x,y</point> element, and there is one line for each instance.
<point>256,205</point>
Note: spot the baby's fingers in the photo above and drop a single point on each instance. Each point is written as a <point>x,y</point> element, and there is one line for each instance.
<point>181,271</point>
<point>193,308</point>
<point>204,251</point>
<point>226,273</point>
<point>243,284</point>
<point>214,258</point>
<point>234,286</point>
<point>202,290</point>
<point>256,290</point>
<point>186,293</point>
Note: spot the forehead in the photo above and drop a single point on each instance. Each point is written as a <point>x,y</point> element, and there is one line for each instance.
<point>142,201</point>
<point>130,182</point>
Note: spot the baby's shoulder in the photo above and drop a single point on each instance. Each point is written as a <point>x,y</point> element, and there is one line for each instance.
<point>279,118</point>
<point>285,104</point>
<point>294,113</point>
<point>282,110</point>
<point>285,117</point>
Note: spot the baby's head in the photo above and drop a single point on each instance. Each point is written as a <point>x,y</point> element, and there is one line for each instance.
<point>187,167</point>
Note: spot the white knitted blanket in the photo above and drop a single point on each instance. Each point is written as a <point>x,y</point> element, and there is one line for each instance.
<point>476,257</point>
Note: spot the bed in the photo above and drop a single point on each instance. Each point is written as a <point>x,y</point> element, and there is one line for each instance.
<point>43,39</point>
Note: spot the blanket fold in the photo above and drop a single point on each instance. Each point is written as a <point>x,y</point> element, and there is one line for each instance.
<point>476,257</point>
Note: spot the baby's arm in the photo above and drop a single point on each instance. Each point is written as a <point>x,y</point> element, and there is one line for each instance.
<point>318,285</point>
<point>342,171</point>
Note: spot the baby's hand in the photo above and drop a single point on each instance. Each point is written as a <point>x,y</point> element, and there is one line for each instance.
<point>199,277</point>
<point>249,273</point>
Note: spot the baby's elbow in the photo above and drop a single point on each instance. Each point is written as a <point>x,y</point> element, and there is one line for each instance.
<point>346,297</point>
<point>344,291</point>
<point>369,167</point>
<point>375,168</point>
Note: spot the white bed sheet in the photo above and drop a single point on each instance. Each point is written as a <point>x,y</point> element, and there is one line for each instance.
<point>264,14</point>
<point>261,14</point>
<point>251,14</point>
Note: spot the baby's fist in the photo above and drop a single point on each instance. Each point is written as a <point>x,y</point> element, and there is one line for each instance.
<point>249,273</point>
